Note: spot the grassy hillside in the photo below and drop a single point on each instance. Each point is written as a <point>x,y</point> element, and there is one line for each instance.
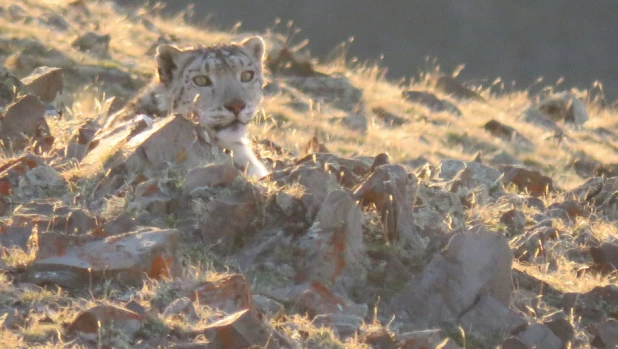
<point>342,107</point>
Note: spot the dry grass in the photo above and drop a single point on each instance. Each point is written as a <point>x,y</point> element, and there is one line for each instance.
<point>434,136</point>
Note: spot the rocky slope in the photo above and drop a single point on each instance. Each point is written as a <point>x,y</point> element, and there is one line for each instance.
<point>429,215</point>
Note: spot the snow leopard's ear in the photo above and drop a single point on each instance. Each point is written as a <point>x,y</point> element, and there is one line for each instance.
<point>166,62</point>
<point>255,46</point>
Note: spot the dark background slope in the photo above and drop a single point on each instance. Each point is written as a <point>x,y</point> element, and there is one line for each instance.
<point>517,40</point>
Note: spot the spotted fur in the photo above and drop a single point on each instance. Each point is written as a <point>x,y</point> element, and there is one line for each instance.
<point>224,107</point>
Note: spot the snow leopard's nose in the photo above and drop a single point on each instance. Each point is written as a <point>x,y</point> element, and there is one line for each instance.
<point>235,106</point>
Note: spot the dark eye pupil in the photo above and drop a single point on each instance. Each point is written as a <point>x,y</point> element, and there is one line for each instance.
<point>201,80</point>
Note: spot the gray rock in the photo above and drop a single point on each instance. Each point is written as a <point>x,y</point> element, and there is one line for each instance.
<point>540,336</point>
<point>45,82</point>
<point>474,264</point>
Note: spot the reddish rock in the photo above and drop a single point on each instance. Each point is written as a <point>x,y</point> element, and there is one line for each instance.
<point>243,330</point>
<point>88,322</point>
<point>527,180</point>
<point>14,169</point>
<point>45,82</point>
<point>154,196</point>
<point>230,293</point>
<point>334,246</point>
<point>515,222</point>
<point>379,338</point>
<point>24,124</point>
<point>127,259</point>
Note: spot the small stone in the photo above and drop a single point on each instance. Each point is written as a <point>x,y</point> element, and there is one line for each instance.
<point>451,86</point>
<point>432,102</point>
<point>93,42</point>
<point>88,321</point>
<point>343,324</point>
<point>45,82</point>
<point>527,180</point>
<point>181,308</point>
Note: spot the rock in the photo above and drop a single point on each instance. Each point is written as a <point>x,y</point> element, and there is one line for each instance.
<point>316,183</point>
<point>476,263</point>
<point>527,180</point>
<point>314,298</point>
<point>606,256</point>
<point>539,336</point>
<point>93,42</point>
<point>333,247</point>
<point>209,176</point>
<point>571,208</point>
<point>514,343</point>
<point>528,246</point>
<point>155,196</point>
<point>55,22</point>
<point>87,324</point>
<point>562,106</point>
<point>605,334</point>
<point>172,139</point>
<point>500,130</point>
<point>265,305</point>
<point>285,61</point>
<point>24,123</point>
<point>228,217</point>
<point>561,327</point>
<point>588,190</point>
<point>388,118</point>
<point>243,330</point>
<point>451,86</point>
<point>13,171</point>
<point>126,258</point>
<point>181,308</point>
<point>432,206</point>
<point>13,320</point>
<point>424,339</point>
<point>335,90</point>
<point>515,222</point>
<point>10,87</point>
<point>386,188</point>
<point>34,55</point>
<point>432,102</point>
<point>230,294</point>
<point>104,75</point>
<point>344,325</point>
<point>355,121</point>
<point>469,176</point>
<point>593,306</point>
<point>586,167</point>
<point>11,237</point>
<point>348,172</point>
<point>379,338</point>
<point>122,224</point>
<point>490,316</point>
<point>45,82</point>
<point>52,215</point>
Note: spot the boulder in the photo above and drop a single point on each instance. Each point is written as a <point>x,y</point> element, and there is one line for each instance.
<point>605,334</point>
<point>211,175</point>
<point>24,124</point>
<point>475,264</point>
<point>452,87</point>
<point>333,247</point>
<point>562,106</point>
<point>93,42</point>
<point>540,336</point>
<point>88,323</point>
<point>229,294</point>
<point>52,215</point>
<point>126,258</point>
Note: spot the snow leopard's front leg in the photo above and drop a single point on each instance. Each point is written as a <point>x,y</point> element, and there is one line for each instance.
<point>245,159</point>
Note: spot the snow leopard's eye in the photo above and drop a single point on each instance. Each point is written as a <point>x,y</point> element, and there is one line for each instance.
<point>247,76</point>
<point>202,80</point>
